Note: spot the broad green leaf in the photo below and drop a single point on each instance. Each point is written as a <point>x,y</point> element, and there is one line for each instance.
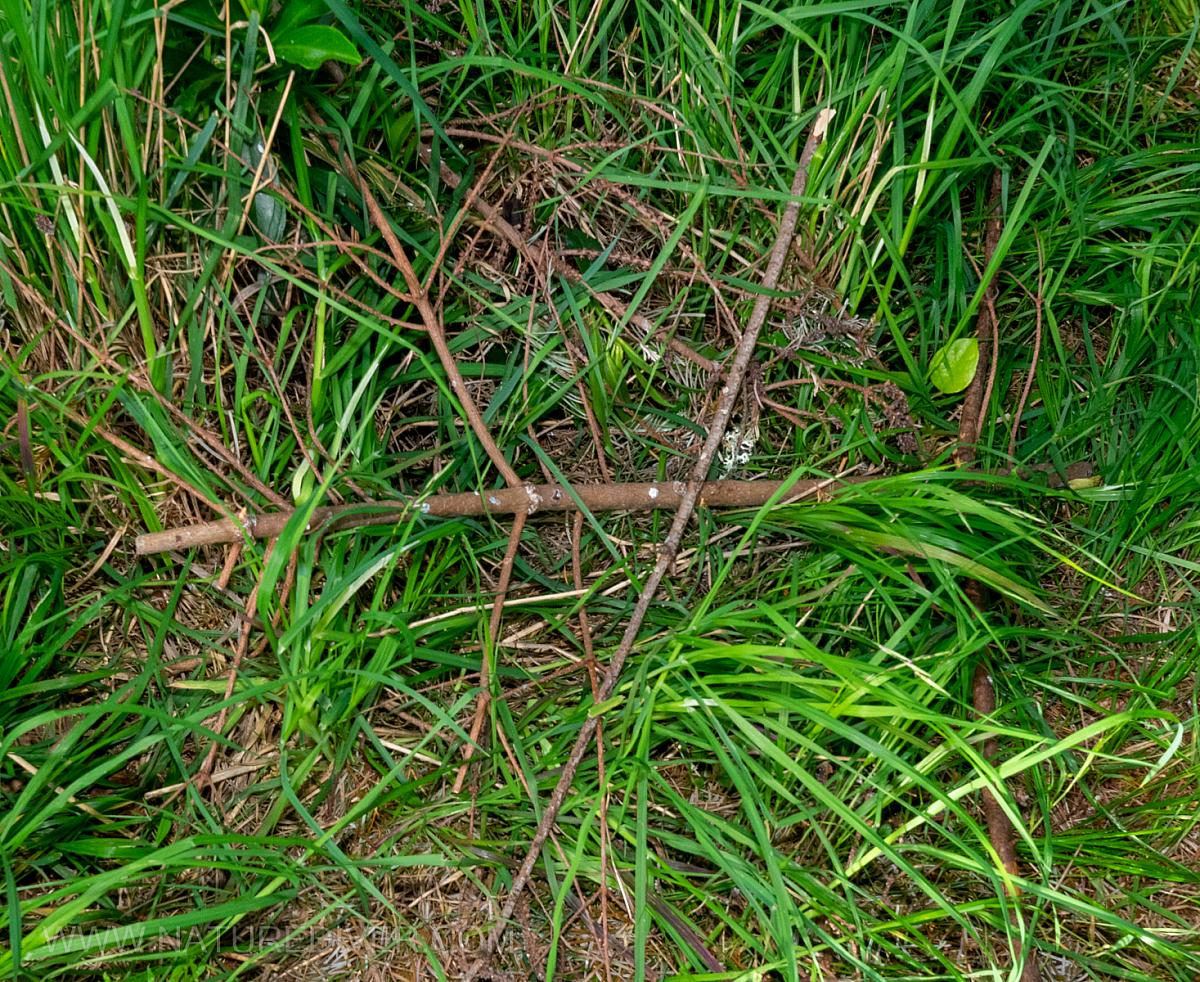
<point>296,12</point>
<point>312,45</point>
<point>954,365</point>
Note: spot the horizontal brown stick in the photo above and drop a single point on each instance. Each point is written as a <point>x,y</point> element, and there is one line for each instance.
<point>504,501</point>
<point>529,498</point>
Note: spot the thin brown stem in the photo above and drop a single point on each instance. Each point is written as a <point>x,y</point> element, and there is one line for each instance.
<point>589,656</point>
<point>1001,831</point>
<point>204,775</point>
<point>419,297</point>
<point>1033,363</point>
<point>481,704</point>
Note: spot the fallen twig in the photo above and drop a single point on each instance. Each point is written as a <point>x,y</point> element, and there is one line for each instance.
<point>1000,828</point>
<point>530,498</point>
<point>691,497</point>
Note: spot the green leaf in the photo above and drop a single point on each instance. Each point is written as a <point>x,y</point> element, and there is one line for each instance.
<point>954,365</point>
<point>312,45</point>
<point>296,12</point>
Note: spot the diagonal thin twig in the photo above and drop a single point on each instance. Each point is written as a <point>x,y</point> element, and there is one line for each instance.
<point>419,293</point>
<point>437,334</point>
<point>728,399</point>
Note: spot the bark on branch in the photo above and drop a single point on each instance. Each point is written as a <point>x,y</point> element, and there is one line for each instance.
<point>528,499</point>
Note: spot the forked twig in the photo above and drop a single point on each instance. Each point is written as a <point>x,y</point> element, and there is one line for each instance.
<point>725,406</point>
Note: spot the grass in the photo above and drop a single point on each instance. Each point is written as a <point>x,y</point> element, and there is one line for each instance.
<point>201,318</point>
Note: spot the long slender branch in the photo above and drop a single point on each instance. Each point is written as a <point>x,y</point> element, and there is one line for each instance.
<point>527,499</point>
<point>691,496</point>
<point>530,498</point>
